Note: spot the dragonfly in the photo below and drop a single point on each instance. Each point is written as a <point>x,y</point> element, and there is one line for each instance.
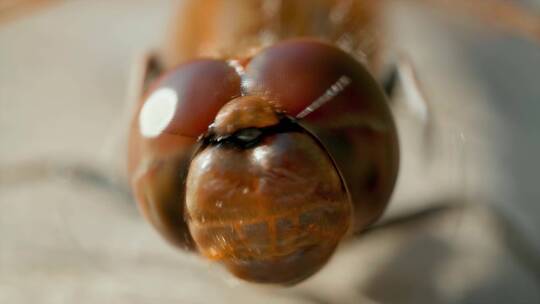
<point>262,135</point>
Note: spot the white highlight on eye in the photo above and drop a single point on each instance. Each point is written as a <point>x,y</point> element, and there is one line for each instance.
<point>328,95</point>
<point>157,112</point>
<point>237,67</point>
<point>245,83</point>
<point>260,153</point>
<point>204,161</point>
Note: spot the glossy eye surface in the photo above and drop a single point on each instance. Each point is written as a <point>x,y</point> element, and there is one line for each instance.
<point>176,110</point>
<point>298,73</point>
<point>186,100</point>
<point>337,99</point>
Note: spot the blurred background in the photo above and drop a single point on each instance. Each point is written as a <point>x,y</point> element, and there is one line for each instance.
<point>70,231</point>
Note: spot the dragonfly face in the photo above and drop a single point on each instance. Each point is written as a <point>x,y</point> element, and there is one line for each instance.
<point>263,196</point>
<point>265,163</point>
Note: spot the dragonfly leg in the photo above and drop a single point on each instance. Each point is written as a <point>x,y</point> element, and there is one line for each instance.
<point>403,74</point>
<point>402,77</point>
<point>146,69</point>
